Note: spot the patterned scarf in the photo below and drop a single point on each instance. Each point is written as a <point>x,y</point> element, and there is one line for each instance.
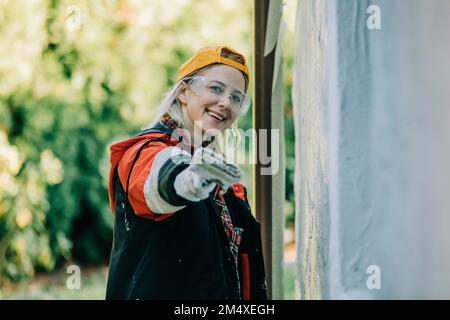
<point>233,234</point>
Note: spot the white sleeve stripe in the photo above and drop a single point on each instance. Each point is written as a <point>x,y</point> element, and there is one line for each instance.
<point>154,201</point>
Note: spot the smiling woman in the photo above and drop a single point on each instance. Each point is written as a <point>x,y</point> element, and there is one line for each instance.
<point>230,66</point>
<point>209,101</point>
<point>184,229</point>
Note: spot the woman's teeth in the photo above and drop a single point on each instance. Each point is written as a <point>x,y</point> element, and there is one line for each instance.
<point>216,116</point>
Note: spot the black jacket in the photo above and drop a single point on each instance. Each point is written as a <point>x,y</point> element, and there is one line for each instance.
<point>185,256</point>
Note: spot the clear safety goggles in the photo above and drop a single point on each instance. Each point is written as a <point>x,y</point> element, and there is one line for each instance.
<point>217,91</point>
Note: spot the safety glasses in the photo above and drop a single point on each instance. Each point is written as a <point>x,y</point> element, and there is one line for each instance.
<point>217,91</point>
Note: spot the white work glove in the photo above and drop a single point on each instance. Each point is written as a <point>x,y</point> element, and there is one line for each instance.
<point>207,169</point>
<point>191,186</point>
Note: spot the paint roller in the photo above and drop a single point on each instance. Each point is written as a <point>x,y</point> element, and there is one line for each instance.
<point>213,167</point>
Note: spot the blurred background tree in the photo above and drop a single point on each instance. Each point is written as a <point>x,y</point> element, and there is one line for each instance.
<point>75,77</point>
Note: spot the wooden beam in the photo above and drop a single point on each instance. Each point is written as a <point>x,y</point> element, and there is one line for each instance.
<point>262,96</point>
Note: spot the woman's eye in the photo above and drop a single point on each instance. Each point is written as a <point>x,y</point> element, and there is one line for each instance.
<point>216,89</point>
<point>236,99</point>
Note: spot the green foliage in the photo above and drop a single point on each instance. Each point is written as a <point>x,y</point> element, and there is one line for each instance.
<point>289,132</point>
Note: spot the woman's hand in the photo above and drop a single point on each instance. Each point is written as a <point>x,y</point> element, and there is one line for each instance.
<point>192,186</point>
<point>207,168</point>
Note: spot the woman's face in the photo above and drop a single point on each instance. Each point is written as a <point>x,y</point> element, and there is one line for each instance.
<point>205,113</point>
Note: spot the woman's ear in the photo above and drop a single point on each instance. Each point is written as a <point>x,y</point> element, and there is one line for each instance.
<point>182,94</point>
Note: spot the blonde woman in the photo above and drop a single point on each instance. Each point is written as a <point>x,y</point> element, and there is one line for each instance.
<point>181,232</point>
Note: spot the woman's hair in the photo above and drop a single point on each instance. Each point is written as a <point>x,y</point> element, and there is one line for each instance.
<point>171,105</point>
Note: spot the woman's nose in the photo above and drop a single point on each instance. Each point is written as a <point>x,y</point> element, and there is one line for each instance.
<point>225,102</point>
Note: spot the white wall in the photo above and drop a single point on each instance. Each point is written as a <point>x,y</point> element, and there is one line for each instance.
<point>373,135</point>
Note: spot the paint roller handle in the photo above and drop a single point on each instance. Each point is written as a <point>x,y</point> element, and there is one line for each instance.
<point>213,167</point>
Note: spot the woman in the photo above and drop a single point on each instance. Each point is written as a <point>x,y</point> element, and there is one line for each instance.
<point>179,233</point>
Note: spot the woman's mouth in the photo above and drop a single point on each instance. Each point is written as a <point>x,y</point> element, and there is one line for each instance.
<point>219,118</point>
